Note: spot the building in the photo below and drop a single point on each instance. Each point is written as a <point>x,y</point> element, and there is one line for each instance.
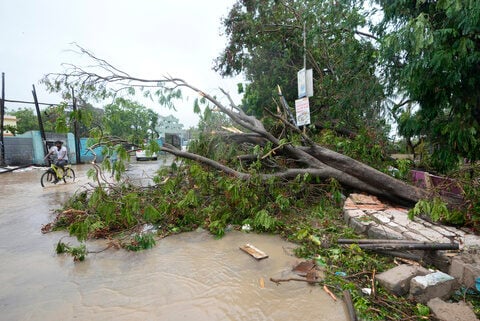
<point>9,121</point>
<point>168,126</point>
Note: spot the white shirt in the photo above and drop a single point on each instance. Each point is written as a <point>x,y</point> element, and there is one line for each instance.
<point>61,154</point>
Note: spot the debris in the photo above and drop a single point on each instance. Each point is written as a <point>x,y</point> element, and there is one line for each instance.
<point>340,273</point>
<point>295,279</point>
<point>367,291</point>
<point>303,268</point>
<point>375,241</point>
<point>326,289</point>
<point>315,240</point>
<point>262,283</point>
<point>403,254</point>
<point>351,309</point>
<point>320,261</point>
<point>246,228</point>
<point>311,276</point>
<point>410,246</point>
<point>253,251</point>
<point>387,245</point>
<point>373,282</point>
<point>399,260</point>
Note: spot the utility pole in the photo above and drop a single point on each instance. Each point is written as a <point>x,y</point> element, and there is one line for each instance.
<point>2,115</point>
<point>75,128</point>
<point>40,122</point>
<point>305,49</point>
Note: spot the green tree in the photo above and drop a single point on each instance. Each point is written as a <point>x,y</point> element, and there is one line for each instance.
<point>430,51</point>
<point>26,120</point>
<point>130,120</point>
<point>265,42</point>
<point>54,118</point>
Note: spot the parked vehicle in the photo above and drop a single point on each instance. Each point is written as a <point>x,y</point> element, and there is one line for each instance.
<point>141,154</point>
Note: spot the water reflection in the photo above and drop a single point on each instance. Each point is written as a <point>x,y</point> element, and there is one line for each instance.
<point>190,276</point>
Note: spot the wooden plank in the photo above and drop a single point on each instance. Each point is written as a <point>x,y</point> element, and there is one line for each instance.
<point>253,251</point>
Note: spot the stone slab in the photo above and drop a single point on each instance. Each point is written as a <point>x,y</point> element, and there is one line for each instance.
<point>383,232</point>
<point>397,280</point>
<point>444,311</point>
<point>433,285</point>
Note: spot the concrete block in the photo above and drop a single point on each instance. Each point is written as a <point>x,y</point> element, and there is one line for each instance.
<point>433,285</point>
<point>383,232</point>
<point>471,241</point>
<point>413,236</point>
<point>359,226</point>
<point>455,230</point>
<point>380,218</point>
<point>397,280</point>
<point>348,215</point>
<point>457,268</point>
<point>440,259</point>
<point>470,273</point>
<point>396,211</point>
<point>447,233</point>
<point>444,311</point>
<point>434,236</point>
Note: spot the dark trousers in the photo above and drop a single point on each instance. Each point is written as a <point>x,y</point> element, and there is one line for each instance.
<point>61,163</point>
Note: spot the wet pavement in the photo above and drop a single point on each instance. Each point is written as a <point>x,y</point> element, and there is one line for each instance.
<point>191,276</point>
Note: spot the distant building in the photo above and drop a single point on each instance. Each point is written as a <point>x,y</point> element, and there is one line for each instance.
<point>7,122</point>
<point>169,125</point>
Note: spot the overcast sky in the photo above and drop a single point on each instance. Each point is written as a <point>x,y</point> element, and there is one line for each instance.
<point>147,38</point>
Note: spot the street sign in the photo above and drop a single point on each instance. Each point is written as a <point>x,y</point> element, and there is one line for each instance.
<point>302,109</point>
<point>305,83</point>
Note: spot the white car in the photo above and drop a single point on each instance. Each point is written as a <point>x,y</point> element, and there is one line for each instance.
<point>141,154</point>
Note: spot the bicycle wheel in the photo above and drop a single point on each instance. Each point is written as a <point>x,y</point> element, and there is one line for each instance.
<point>69,176</point>
<point>47,178</point>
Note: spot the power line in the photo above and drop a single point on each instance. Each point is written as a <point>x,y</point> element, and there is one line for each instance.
<point>30,102</point>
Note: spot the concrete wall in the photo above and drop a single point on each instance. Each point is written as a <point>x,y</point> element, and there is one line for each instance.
<point>86,155</point>
<point>29,148</point>
<point>18,150</point>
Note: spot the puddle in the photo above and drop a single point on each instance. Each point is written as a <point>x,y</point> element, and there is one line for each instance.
<point>190,276</point>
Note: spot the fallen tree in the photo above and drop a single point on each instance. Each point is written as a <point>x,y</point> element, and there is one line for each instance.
<point>304,155</point>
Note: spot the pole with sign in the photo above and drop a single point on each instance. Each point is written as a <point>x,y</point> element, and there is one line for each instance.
<point>302,109</point>
<point>305,88</point>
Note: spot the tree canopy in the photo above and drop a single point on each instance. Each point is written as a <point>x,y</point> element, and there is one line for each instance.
<point>265,42</point>
<point>430,50</point>
<point>130,120</point>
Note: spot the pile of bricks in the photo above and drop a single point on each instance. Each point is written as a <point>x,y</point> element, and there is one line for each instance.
<point>369,216</point>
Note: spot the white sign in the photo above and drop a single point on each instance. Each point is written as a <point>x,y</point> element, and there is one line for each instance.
<point>302,109</point>
<point>305,83</point>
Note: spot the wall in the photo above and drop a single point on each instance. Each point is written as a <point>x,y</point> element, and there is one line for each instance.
<point>18,150</point>
<point>28,148</point>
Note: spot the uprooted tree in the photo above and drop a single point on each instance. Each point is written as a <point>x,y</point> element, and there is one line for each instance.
<point>291,151</point>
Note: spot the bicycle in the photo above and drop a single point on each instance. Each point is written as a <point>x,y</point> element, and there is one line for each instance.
<point>55,173</point>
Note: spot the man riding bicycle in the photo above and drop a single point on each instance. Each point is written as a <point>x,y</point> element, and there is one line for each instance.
<point>61,153</point>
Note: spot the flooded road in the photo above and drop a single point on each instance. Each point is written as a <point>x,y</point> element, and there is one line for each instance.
<point>190,276</point>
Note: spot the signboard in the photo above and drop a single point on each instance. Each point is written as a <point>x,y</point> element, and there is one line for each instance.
<point>302,109</point>
<point>305,83</point>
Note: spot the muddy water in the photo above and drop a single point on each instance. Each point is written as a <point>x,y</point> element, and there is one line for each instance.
<point>185,277</point>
